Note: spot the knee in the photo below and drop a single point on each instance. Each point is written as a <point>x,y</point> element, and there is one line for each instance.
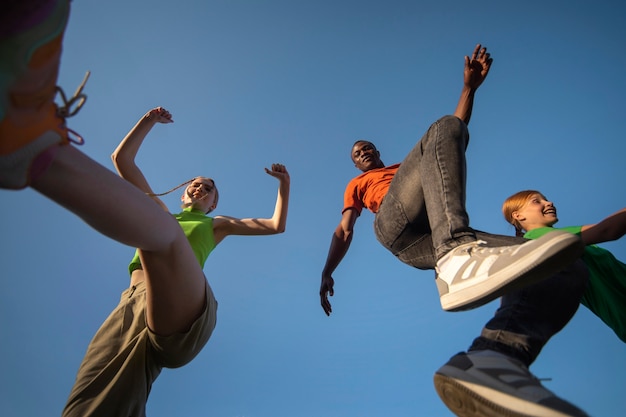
<point>453,123</point>
<point>453,128</point>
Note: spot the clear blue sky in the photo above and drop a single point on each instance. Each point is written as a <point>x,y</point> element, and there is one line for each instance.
<point>255,82</point>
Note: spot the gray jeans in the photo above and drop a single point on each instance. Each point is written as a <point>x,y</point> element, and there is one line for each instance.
<point>423,216</point>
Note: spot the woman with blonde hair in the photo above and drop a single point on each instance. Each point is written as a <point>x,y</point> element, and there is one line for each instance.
<point>533,215</point>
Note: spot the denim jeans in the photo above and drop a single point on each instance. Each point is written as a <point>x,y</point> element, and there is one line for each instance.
<point>423,216</point>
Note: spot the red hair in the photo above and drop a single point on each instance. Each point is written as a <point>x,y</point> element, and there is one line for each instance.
<point>515,203</point>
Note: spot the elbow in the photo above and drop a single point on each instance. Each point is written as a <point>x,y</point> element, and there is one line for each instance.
<point>272,229</point>
<point>115,158</point>
<point>279,223</point>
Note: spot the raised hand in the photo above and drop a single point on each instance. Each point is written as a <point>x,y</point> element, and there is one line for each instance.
<point>279,172</point>
<point>477,67</point>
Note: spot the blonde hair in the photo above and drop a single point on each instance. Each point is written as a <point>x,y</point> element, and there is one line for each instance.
<point>172,190</point>
<point>515,203</point>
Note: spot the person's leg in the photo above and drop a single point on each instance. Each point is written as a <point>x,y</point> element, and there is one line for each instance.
<point>124,358</point>
<point>117,209</point>
<point>529,317</point>
<point>106,202</point>
<point>34,151</point>
<point>119,366</point>
<point>493,375</point>
<point>422,220</point>
<point>423,214</point>
<point>439,163</point>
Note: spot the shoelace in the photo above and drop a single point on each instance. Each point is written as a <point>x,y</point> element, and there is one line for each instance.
<point>72,106</point>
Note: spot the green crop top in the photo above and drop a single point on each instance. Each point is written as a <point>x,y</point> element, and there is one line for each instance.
<point>198,227</point>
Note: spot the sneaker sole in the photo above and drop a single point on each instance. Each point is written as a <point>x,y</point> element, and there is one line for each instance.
<point>466,399</point>
<point>564,248</point>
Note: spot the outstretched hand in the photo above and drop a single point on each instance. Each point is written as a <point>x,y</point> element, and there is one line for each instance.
<point>279,172</point>
<point>159,115</point>
<point>477,67</point>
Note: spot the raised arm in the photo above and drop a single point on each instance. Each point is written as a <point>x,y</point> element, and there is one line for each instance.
<point>339,245</point>
<point>224,226</point>
<point>124,155</point>
<point>611,228</point>
<point>475,71</point>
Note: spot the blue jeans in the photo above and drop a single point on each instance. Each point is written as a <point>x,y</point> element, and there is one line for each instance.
<point>423,216</point>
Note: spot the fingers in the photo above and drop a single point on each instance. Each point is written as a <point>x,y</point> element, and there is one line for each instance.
<point>326,291</point>
<point>327,309</point>
<point>161,115</point>
<point>485,57</point>
<point>476,52</point>
<point>279,168</point>
<point>278,171</point>
<point>480,54</point>
<point>326,304</point>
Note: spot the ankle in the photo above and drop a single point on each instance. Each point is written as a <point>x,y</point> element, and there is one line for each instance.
<point>452,244</point>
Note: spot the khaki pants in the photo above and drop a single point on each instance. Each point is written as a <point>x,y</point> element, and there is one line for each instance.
<point>125,357</point>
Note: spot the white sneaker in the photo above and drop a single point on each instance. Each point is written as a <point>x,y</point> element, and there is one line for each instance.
<point>484,385</point>
<point>474,274</point>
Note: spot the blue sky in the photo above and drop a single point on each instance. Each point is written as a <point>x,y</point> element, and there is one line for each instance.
<point>297,82</point>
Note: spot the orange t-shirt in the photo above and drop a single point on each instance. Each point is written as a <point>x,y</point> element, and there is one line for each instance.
<point>368,189</point>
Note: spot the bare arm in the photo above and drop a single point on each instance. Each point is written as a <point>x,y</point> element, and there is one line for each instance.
<point>124,155</point>
<point>224,226</point>
<point>339,245</point>
<point>611,228</point>
<point>474,73</point>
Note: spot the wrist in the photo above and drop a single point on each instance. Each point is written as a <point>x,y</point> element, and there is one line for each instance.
<point>468,90</point>
<point>149,117</point>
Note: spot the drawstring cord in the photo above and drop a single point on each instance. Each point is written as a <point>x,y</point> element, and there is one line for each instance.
<point>72,106</point>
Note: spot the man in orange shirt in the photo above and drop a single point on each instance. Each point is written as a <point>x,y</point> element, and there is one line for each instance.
<point>420,216</point>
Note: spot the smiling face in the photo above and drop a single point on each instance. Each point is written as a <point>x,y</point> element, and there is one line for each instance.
<point>365,156</point>
<point>201,194</point>
<point>536,212</point>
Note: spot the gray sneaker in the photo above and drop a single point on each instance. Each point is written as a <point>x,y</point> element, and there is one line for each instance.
<point>473,385</point>
<point>474,274</point>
